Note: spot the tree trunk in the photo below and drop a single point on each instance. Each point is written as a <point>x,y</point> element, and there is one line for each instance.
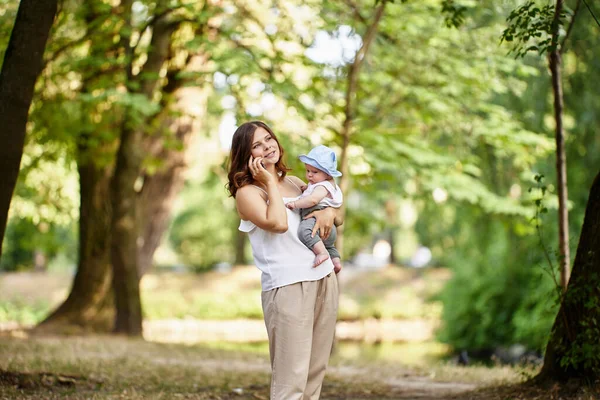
<point>90,303</point>
<point>392,221</point>
<point>128,170</point>
<point>159,191</point>
<point>349,112</point>
<point>554,62</point>
<point>21,67</point>
<point>124,229</point>
<point>577,326</point>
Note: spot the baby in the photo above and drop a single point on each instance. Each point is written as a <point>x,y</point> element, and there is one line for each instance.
<point>321,192</point>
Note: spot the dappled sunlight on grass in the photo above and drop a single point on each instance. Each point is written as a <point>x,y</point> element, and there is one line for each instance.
<point>111,366</point>
<point>410,354</point>
<point>390,292</point>
<point>480,374</point>
<point>27,297</point>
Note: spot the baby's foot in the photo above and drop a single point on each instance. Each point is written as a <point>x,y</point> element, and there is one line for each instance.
<point>320,259</point>
<point>337,264</point>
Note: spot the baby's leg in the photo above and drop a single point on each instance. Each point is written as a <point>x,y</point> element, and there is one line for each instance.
<point>333,252</point>
<point>313,243</point>
<point>337,264</point>
<point>320,252</point>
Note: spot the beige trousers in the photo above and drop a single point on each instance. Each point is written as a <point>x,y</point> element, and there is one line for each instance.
<point>300,321</point>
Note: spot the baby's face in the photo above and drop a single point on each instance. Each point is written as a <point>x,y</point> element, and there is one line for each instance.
<point>315,175</point>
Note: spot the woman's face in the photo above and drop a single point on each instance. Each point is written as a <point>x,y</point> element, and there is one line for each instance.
<point>264,145</point>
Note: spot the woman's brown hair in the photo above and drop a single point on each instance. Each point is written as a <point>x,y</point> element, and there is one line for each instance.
<point>241,149</point>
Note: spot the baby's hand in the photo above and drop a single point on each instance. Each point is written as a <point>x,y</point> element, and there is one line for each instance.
<point>303,187</point>
<point>291,205</point>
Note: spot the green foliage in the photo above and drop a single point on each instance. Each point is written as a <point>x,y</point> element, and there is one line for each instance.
<point>203,232</point>
<point>520,294</point>
<point>43,214</point>
<point>531,28</point>
<point>8,13</point>
<point>491,305</point>
<point>537,310</point>
<point>23,312</point>
<point>24,238</point>
<point>454,13</point>
<point>483,295</point>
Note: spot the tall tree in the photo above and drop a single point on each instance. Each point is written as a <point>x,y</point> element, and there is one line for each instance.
<point>530,21</point>
<point>555,63</point>
<point>22,65</point>
<point>573,350</point>
<point>90,303</point>
<point>130,155</point>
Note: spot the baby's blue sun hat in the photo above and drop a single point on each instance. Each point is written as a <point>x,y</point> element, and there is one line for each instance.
<point>323,158</point>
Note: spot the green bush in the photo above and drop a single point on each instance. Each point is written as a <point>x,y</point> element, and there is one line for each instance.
<point>23,238</point>
<point>202,233</point>
<point>534,318</point>
<point>23,313</point>
<point>494,299</point>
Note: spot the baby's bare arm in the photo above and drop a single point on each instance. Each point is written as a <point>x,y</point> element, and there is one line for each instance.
<point>312,200</point>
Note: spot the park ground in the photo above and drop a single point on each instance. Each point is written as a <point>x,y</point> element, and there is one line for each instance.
<point>107,367</point>
<point>35,366</point>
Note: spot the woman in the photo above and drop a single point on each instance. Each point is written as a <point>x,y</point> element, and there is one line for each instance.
<point>299,302</point>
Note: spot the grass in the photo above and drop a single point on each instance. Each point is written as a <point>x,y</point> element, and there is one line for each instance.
<point>385,293</point>
<point>107,367</point>
<point>112,367</point>
<point>102,367</point>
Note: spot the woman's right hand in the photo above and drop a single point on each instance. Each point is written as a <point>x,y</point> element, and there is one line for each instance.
<point>258,171</point>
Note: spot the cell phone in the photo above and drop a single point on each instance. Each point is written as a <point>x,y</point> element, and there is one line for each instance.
<point>261,161</point>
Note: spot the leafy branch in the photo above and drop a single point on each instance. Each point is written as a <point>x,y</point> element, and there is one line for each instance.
<point>540,210</point>
<point>454,13</point>
<point>535,28</point>
<point>530,22</point>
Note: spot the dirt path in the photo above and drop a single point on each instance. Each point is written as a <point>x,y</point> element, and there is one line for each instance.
<point>409,386</point>
<point>403,385</point>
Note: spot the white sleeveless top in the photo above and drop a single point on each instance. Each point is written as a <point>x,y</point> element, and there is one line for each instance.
<point>281,257</point>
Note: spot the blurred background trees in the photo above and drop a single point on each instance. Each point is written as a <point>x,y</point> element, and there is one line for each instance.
<point>447,133</point>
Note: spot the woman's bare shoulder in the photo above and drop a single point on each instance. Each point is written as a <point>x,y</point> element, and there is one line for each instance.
<point>249,192</point>
<point>296,180</point>
<point>245,190</point>
<point>248,196</point>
